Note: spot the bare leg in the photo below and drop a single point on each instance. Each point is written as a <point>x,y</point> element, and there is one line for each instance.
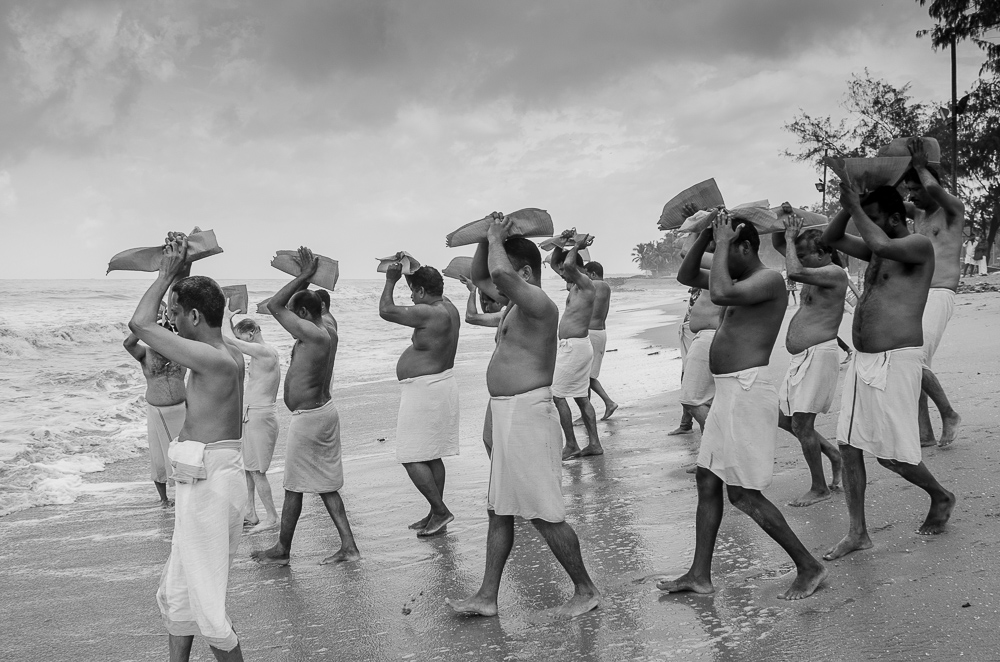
<point>263,487</point>
<point>942,501</point>
<point>950,420</point>
<point>700,414</point>
<point>924,422</point>
<point>235,655</point>
<point>563,542</point>
<point>609,405</point>
<point>428,477</point>
<point>708,518</point>
<point>291,509</point>
<point>812,449</point>
<point>161,491</point>
<point>488,431</point>
<point>810,573</point>
<point>566,421</point>
<point>180,647</point>
<point>499,542</point>
<point>348,548</point>
<point>251,516</point>
<point>685,426</point>
<point>855,483</point>
<point>590,423</point>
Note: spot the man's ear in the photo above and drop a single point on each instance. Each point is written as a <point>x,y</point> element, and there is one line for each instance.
<point>196,316</point>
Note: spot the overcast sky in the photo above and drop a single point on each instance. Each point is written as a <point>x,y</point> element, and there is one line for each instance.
<point>359,128</point>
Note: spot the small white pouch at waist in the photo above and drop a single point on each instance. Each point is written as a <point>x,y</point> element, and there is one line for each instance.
<point>873,369</point>
<point>187,458</point>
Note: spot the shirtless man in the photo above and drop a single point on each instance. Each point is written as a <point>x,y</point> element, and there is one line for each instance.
<point>575,354</point>
<point>324,299</point>
<point>813,372</point>
<point>755,300</point>
<point>599,333</point>
<point>878,412</point>
<point>427,424</point>
<point>940,217</point>
<point>312,456</point>
<point>260,417</point>
<point>490,317</point>
<point>164,405</point>
<point>525,467</point>
<point>209,511</point>
<point>697,381</point>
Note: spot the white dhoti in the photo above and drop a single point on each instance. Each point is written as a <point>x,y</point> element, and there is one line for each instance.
<point>811,380</point>
<point>599,341</point>
<point>526,464</point>
<point>574,357</point>
<point>162,425</point>
<point>698,382</point>
<point>741,431</point>
<point>685,335</point>
<point>208,522</point>
<point>878,410</point>
<point>937,313</point>
<point>312,454</point>
<point>260,434</point>
<point>427,424</point>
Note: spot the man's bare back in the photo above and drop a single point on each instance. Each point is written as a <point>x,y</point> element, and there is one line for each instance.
<point>947,241</point>
<point>602,305</point>
<point>307,381</point>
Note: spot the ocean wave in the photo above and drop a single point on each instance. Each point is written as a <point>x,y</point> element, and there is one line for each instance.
<point>26,342</point>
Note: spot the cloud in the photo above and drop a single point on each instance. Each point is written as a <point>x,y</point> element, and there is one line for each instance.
<point>8,197</point>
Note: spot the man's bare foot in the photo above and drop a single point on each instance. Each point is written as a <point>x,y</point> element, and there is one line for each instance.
<point>608,410</point>
<point>592,449</point>
<point>692,469</point>
<point>570,451</point>
<point>937,516</point>
<point>343,556</point>
<point>686,584</point>
<point>266,525</point>
<point>850,543</point>
<point>681,430</point>
<point>949,429</point>
<point>805,583</point>
<point>166,503</point>
<point>436,526</point>
<point>810,497</point>
<point>474,606</point>
<point>274,556</point>
<point>420,523</point>
<point>578,605</point>
<point>253,520</point>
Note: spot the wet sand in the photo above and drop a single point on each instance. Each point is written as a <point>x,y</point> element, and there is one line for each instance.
<point>78,581</point>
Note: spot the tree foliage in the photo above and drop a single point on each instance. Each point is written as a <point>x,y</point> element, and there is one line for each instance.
<point>964,20</point>
<point>659,257</point>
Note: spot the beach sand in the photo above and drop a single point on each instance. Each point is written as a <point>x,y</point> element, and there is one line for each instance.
<point>78,581</point>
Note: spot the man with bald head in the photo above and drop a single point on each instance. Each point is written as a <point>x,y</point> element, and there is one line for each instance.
<point>312,456</point>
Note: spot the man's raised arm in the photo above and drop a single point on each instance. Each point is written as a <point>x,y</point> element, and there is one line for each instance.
<point>530,300</point>
<point>691,272</point>
<point>277,305</point>
<point>412,316</point>
<point>911,249</point>
<point>194,355</point>
<point>132,346</point>
<point>253,349</point>
<point>954,208</point>
<point>481,270</point>
<point>570,268</point>
<point>472,314</point>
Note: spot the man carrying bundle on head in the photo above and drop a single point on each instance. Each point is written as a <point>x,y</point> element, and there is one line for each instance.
<point>490,317</point>
<point>575,355</point>
<point>599,333</point>
<point>737,448</point>
<point>878,413</point>
<point>313,460</point>
<point>525,466</point>
<point>211,490</point>
<point>940,217</point>
<point>427,425</point>
<point>811,380</point>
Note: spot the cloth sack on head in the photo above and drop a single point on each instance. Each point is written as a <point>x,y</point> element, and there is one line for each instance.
<point>326,275</point>
<point>703,195</point>
<point>201,244</point>
<point>408,262</point>
<point>528,222</point>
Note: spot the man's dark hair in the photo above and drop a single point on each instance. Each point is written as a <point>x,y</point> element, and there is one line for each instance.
<point>324,298</point>
<point>912,176</point>
<point>246,326</point>
<point>889,201</point>
<point>203,294</point>
<point>521,251</point>
<point>307,299</point>
<point>748,233</point>
<point>812,239</point>
<point>595,268</point>
<point>428,278</point>
<point>558,258</point>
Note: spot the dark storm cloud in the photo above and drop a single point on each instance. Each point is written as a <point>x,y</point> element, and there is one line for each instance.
<point>77,71</point>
